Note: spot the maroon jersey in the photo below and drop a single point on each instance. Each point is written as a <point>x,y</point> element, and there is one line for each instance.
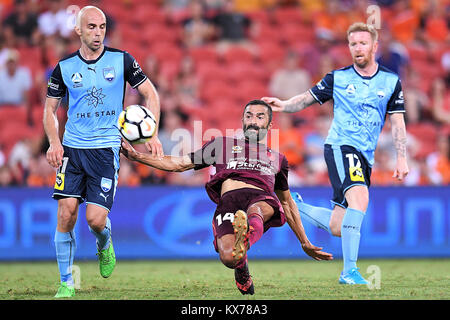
<point>237,159</point>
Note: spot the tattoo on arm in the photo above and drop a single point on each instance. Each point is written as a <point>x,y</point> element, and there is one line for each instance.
<point>299,102</point>
<point>399,135</point>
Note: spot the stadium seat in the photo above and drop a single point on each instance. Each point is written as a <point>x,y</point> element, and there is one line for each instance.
<point>292,33</point>
<point>214,90</point>
<point>244,70</point>
<point>269,50</point>
<point>31,58</point>
<point>426,133</point>
<point>265,32</point>
<point>250,90</point>
<point>417,52</point>
<point>11,133</point>
<point>12,114</point>
<point>146,13</point>
<point>156,34</point>
<point>166,52</point>
<point>207,71</point>
<point>238,54</point>
<point>203,54</point>
<point>288,15</point>
<point>259,16</point>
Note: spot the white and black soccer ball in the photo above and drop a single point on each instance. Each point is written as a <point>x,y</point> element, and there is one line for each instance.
<point>137,124</point>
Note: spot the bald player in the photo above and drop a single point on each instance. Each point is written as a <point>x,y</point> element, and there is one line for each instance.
<point>87,158</point>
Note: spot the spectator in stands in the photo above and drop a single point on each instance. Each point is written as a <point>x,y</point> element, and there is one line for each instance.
<point>173,142</point>
<point>417,99</point>
<point>20,26</point>
<point>434,25</point>
<point>40,174</point>
<point>15,83</point>
<point>186,84</point>
<point>315,163</point>
<point>55,21</point>
<point>127,174</point>
<point>290,78</point>
<point>231,28</point>
<point>176,5</point>
<point>4,51</point>
<point>441,99</point>
<point>291,142</point>
<point>438,163</point>
<point>152,67</point>
<point>383,168</point>
<point>19,160</point>
<point>5,176</point>
<point>392,54</point>
<point>404,22</point>
<point>197,28</point>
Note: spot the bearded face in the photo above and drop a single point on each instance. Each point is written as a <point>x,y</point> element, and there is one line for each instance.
<point>256,122</point>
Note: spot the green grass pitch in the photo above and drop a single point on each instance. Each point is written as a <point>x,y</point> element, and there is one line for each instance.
<point>209,279</point>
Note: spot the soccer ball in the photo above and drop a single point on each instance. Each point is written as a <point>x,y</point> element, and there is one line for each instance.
<point>137,124</point>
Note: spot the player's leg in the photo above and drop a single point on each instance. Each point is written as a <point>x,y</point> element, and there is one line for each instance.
<point>99,225</point>
<point>65,244</point>
<point>337,216</point>
<point>358,199</point>
<point>101,166</point>
<point>257,214</point>
<point>248,228</point>
<point>355,173</point>
<point>69,190</point>
<point>318,216</point>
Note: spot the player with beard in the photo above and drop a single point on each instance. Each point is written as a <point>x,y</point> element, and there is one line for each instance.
<point>363,93</point>
<point>250,188</point>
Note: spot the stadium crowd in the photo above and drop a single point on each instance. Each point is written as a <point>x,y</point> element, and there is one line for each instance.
<point>208,57</point>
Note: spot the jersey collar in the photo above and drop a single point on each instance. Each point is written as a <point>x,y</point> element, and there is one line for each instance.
<point>91,61</point>
<point>367,77</point>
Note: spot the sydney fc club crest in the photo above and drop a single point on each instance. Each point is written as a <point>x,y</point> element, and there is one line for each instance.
<point>109,73</point>
<point>106,184</point>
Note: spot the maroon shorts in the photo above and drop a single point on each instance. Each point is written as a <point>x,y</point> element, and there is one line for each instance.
<point>242,199</point>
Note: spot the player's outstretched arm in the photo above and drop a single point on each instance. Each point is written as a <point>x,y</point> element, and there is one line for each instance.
<point>166,163</point>
<point>55,151</point>
<point>148,91</point>
<point>294,104</point>
<point>294,221</point>
<point>399,137</point>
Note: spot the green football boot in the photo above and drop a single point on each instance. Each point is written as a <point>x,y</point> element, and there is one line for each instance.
<point>65,291</point>
<point>107,260</point>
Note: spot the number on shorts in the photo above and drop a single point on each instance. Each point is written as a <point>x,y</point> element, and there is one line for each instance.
<point>63,167</point>
<point>351,160</point>
<point>226,216</point>
<point>355,170</point>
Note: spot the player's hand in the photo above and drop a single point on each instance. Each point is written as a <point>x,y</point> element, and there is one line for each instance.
<point>55,155</point>
<point>128,151</point>
<point>276,104</point>
<point>401,169</point>
<point>315,252</point>
<point>154,146</point>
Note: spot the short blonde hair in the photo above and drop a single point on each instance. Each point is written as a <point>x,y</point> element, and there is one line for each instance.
<point>361,26</point>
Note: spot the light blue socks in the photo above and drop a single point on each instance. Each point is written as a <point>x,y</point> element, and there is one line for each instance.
<point>351,225</point>
<point>65,251</point>
<point>104,236</point>
<point>320,217</point>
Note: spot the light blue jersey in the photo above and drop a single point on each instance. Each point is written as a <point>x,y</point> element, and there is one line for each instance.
<point>95,91</point>
<point>360,106</point>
